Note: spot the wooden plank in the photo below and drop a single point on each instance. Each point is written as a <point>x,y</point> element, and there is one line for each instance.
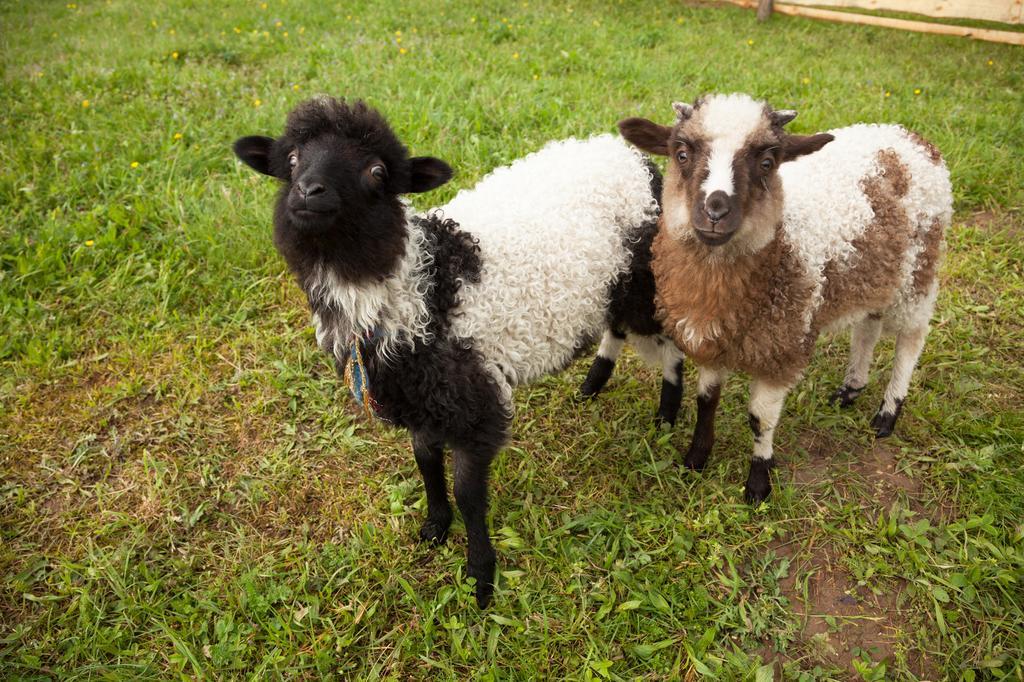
<point>1009,37</point>
<point>905,24</point>
<point>764,10</point>
<point>1005,11</point>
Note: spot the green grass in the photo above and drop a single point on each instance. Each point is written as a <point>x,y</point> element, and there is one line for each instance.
<point>186,491</point>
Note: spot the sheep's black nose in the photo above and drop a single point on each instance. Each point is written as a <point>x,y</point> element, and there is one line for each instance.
<point>717,206</point>
<point>310,189</point>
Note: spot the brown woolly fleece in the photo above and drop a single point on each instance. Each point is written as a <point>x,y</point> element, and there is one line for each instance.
<point>749,310</point>
<point>872,278</point>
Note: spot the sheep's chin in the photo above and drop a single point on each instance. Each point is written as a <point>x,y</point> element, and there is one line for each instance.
<point>710,239</point>
<point>307,219</point>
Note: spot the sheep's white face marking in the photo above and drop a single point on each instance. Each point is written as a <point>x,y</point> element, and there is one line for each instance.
<point>727,122</point>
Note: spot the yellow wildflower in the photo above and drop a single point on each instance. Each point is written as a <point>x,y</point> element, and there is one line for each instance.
<point>750,42</point>
<point>806,80</point>
<point>285,34</point>
<point>295,87</point>
<point>256,102</point>
<point>174,55</point>
<point>89,242</point>
<point>515,55</point>
<point>134,164</point>
<point>402,50</point>
<point>917,91</point>
<point>85,104</point>
<point>887,93</point>
<point>990,62</point>
<point>237,30</point>
<point>178,136</point>
<point>279,24</point>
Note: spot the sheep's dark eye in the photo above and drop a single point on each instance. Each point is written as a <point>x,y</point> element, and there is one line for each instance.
<point>682,156</point>
<point>767,163</point>
<point>379,173</point>
<point>293,159</point>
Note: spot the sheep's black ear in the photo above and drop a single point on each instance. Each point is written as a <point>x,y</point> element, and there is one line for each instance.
<point>428,173</point>
<point>254,151</point>
<point>646,135</point>
<point>795,146</point>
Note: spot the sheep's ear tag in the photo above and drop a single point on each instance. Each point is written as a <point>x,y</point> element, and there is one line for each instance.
<point>782,116</point>
<point>683,110</point>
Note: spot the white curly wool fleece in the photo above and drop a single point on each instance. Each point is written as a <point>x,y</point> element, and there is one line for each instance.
<point>814,186</point>
<point>551,229</point>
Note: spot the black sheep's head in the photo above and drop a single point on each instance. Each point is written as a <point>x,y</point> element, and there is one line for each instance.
<point>343,170</point>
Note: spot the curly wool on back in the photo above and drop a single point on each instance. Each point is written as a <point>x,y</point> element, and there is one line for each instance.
<point>551,229</point>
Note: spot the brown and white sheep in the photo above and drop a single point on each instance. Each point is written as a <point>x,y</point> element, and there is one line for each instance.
<point>768,239</point>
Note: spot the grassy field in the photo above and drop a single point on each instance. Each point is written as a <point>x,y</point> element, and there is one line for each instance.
<point>187,492</point>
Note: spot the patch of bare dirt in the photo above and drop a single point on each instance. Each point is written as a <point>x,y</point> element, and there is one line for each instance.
<point>997,221</point>
<point>839,617</point>
<point>841,620</point>
<point>876,476</point>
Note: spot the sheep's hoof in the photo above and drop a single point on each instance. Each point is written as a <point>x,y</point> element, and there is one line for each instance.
<point>845,395</point>
<point>484,576</point>
<point>588,391</point>
<point>435,532</point>
<point>696,459</point>
<point>661,420</point>
<point>759,483</point>
<point>597,377</point>
<point>884,422</point>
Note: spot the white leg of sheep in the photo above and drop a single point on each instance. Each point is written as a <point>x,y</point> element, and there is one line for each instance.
<point>671,382</point>
<point>909,344</point>
<point>601,369</point>
<point>766,401</point>
<point>863,338</point>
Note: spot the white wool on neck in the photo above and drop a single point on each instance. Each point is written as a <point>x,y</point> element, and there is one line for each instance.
<point>393,309</point>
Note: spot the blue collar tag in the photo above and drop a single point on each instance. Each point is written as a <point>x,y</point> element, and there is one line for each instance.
<point>358,377</point>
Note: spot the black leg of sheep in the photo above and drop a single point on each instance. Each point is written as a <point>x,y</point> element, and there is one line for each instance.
<point>471,470</point>
<point>429,454</point>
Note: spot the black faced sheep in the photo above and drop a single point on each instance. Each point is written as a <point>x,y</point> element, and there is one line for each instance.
<point>765,241</point>
<point>440,315</point>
